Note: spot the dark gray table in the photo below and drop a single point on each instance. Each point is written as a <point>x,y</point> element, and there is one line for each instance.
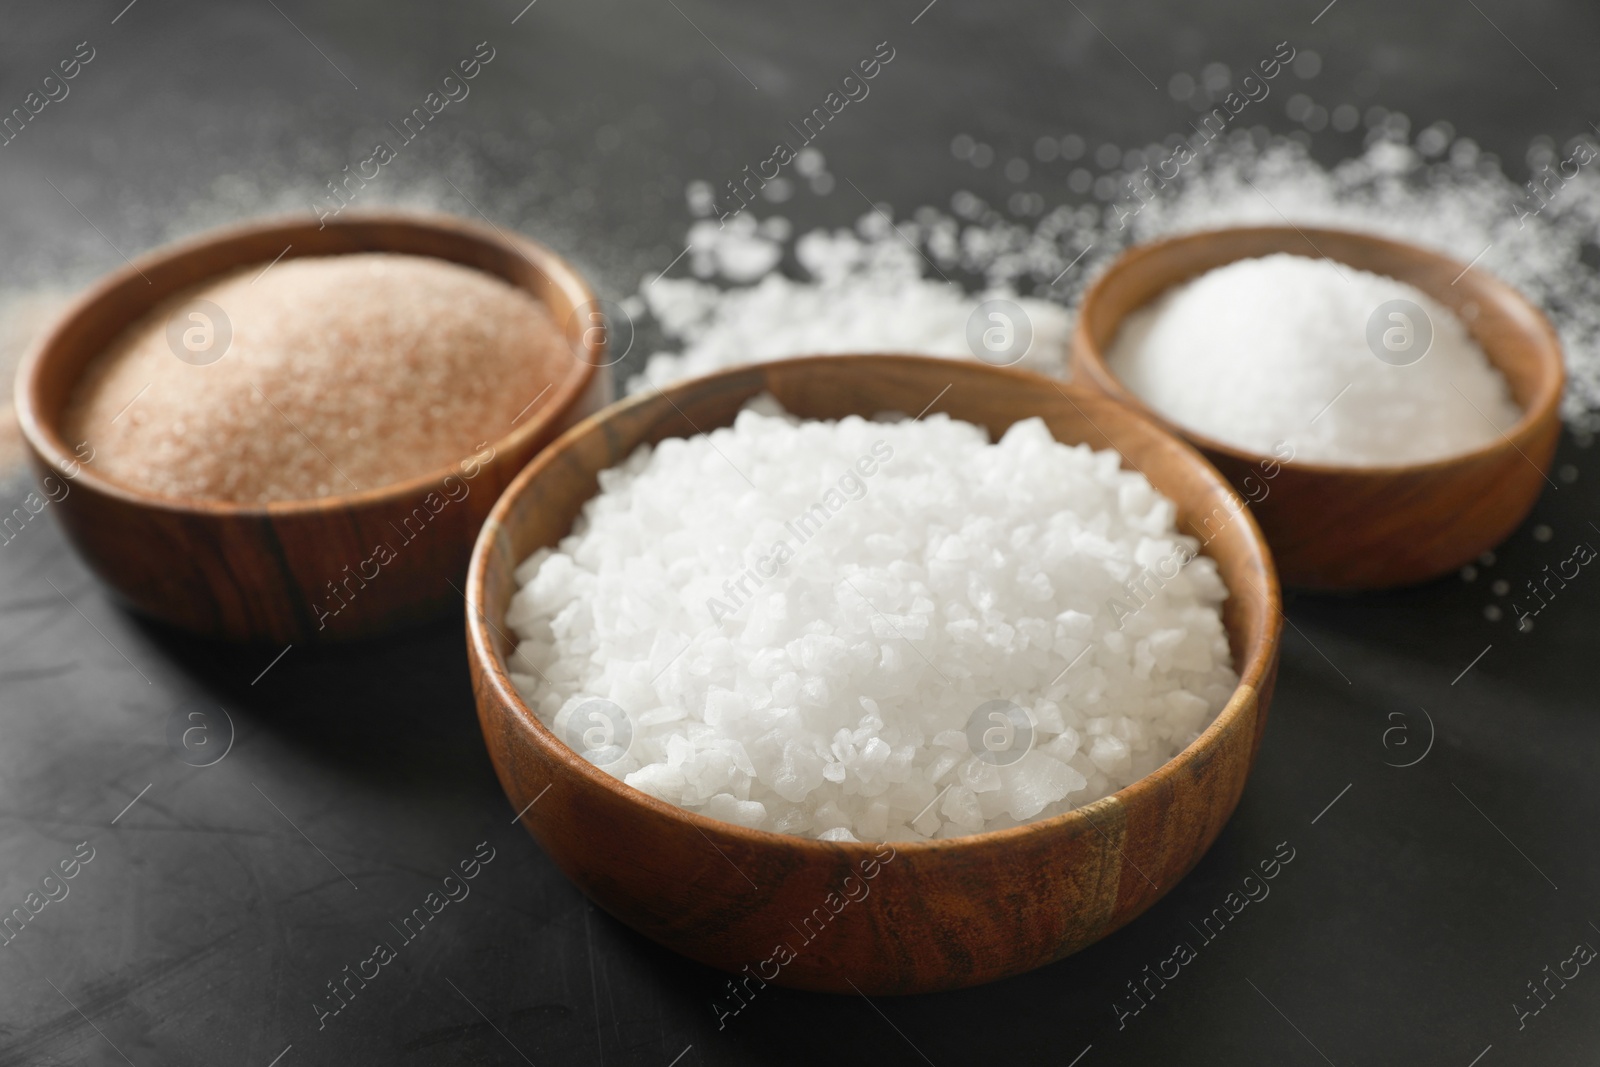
<point>220,900</point>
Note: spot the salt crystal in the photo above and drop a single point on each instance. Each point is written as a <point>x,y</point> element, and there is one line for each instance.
<point>863,295</point>
<point>965,575</point>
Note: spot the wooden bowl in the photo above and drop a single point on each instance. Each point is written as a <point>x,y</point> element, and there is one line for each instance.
<point>1348,527</point>
<point>280,572</point>
<point>936,915</point>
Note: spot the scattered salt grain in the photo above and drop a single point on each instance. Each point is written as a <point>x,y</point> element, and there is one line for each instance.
<point>1463,205</point>
<point>1273,351</point>
<point>1443,193</point>
<point>866,293</point>
<point>795,626</point>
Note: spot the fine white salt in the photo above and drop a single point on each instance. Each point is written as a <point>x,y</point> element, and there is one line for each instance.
<point>1441,193</point>
<point>1285,349</point>
<point>870,630</point>
<point>1436,188</point>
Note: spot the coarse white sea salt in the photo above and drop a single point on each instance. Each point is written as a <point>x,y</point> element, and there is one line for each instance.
<point>865,294</point>
<point>1275,350</point>
<point>1443,193</point>
<point>795,626</point>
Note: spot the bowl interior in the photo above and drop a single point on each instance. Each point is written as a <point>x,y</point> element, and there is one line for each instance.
<point>1513,333</point>
<point>540,506</point>
<point>49,374</point>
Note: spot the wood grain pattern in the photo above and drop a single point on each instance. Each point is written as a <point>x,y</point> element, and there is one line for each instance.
<point>295,571</point>
<point>1339,527</point>
<point>937,915</point>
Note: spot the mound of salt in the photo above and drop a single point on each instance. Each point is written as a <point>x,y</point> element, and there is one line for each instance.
<point>869,630</point>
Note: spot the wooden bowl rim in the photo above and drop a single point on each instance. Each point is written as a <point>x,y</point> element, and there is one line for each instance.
<point>1538,413</point>
<point>44,437</point>
<point>1258,659</point>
